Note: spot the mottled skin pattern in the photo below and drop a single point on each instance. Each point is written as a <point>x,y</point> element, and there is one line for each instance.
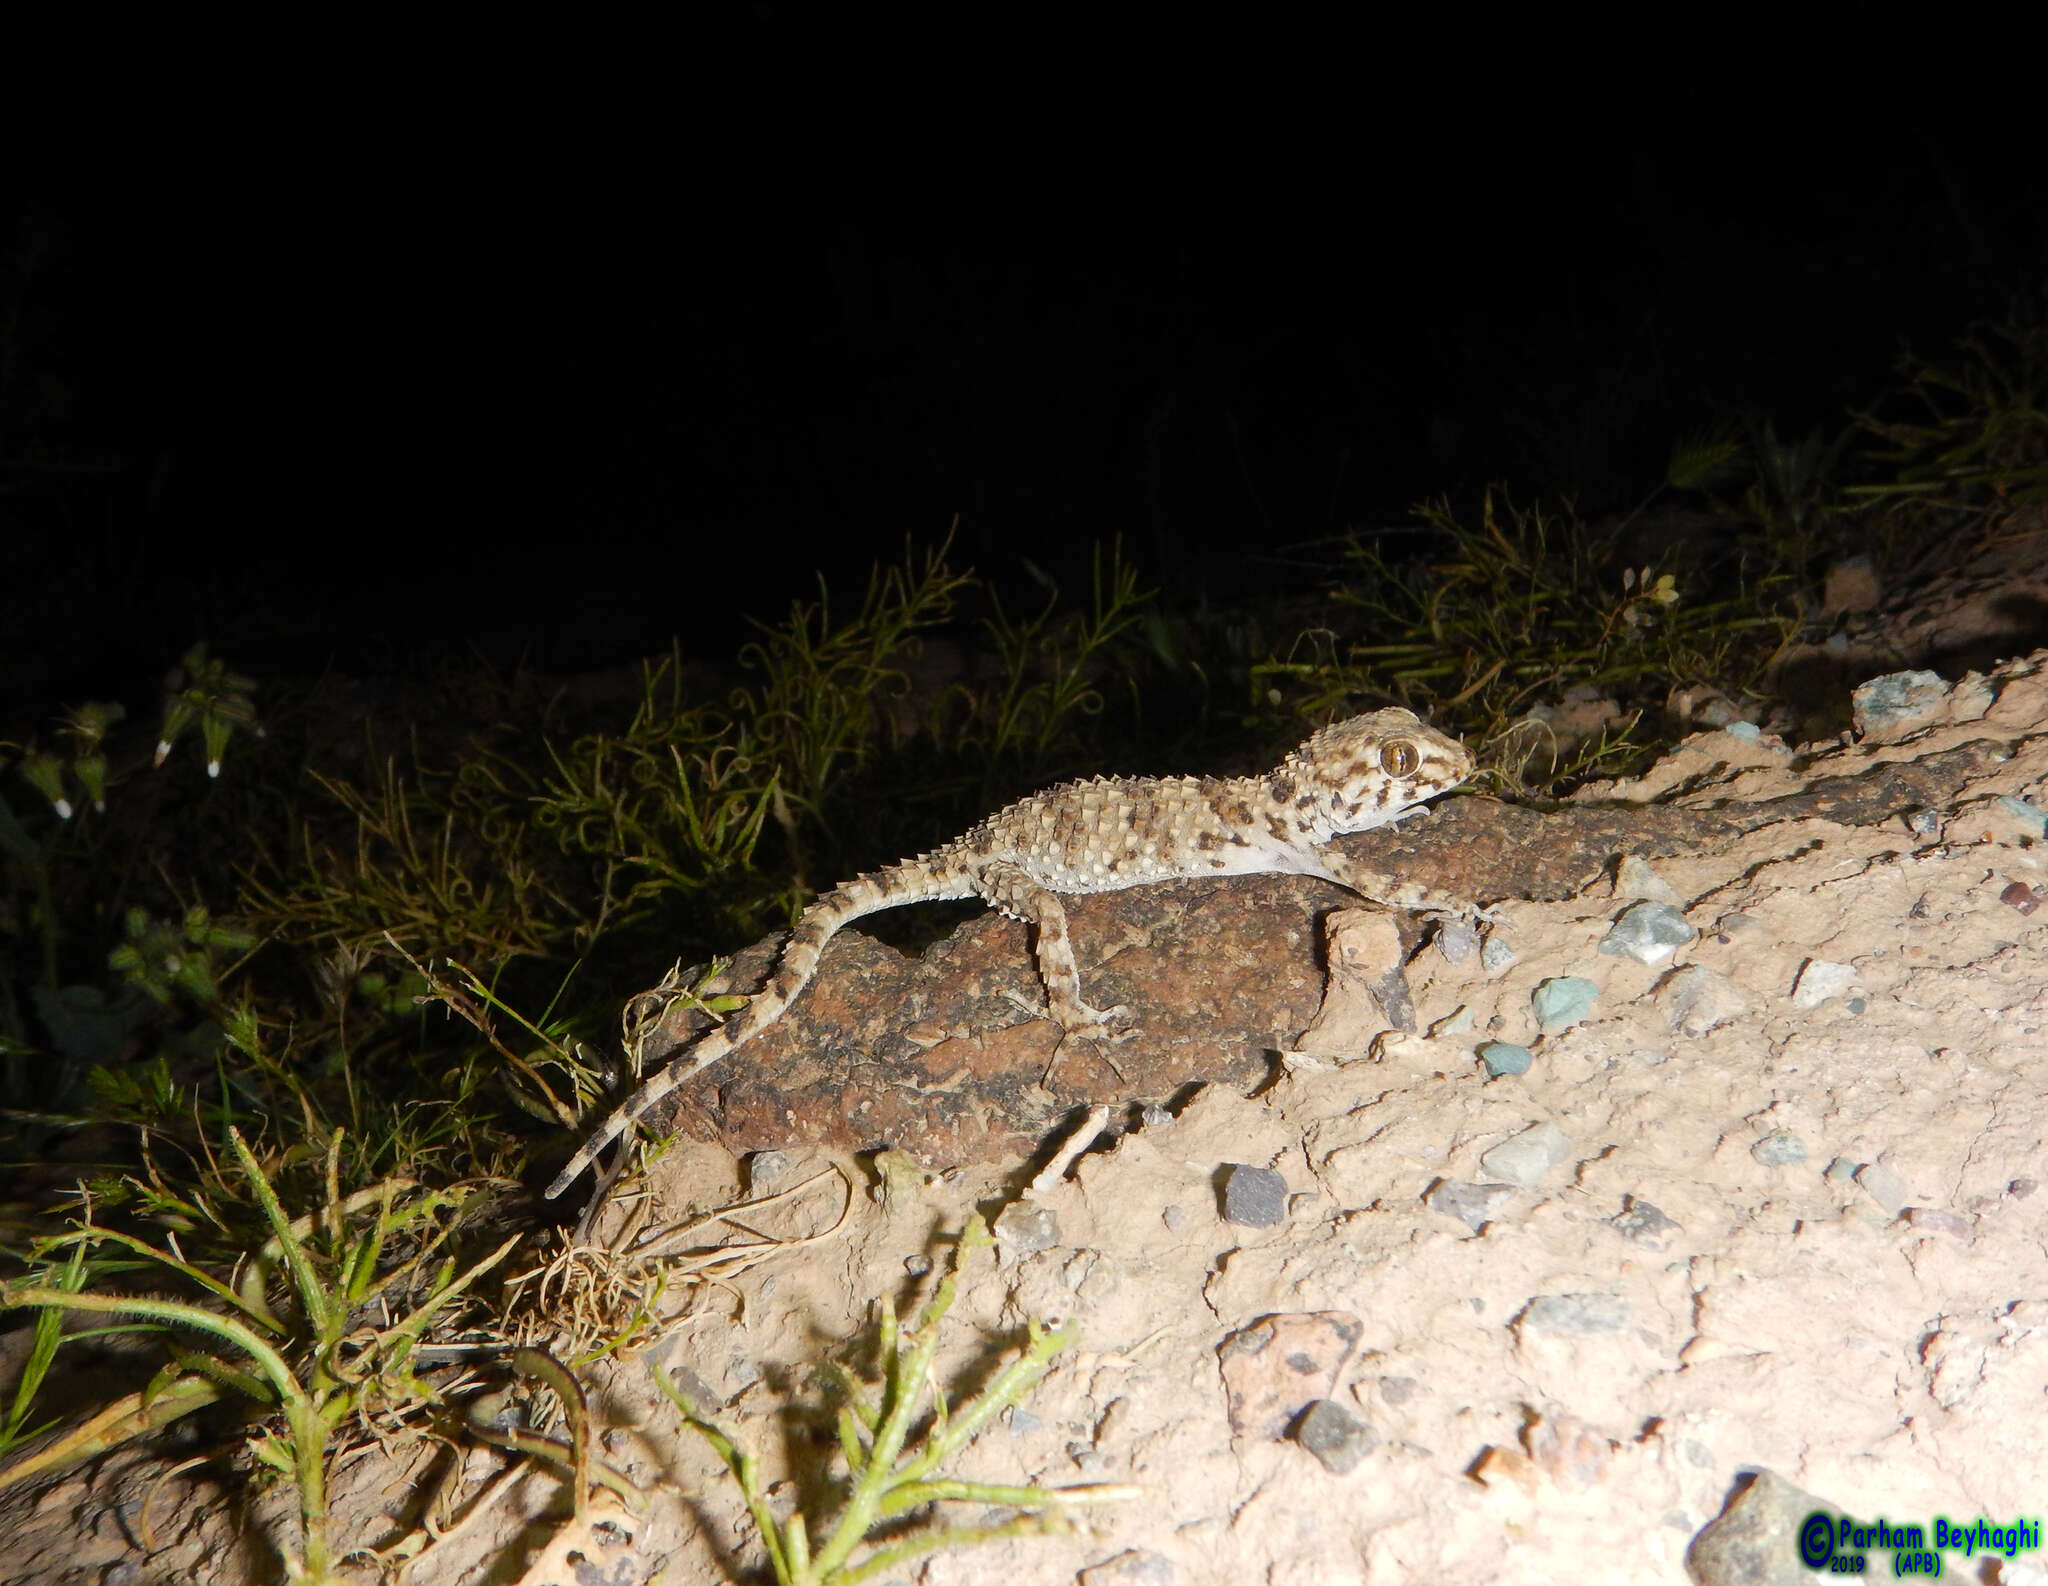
<point>1110,833</point>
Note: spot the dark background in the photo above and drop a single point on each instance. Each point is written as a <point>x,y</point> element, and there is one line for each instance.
<point>357,347</point>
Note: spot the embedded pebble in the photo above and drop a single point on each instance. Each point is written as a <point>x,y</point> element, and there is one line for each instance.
<point>1253,1197</point>
<point>1133,1568</point>
<point>1575,1315</point>
<point>1935,1219</point>
<point>1923,823</point>
<point>2027,814</point>
<point>1280,1365</point>
<point>1026,1227</point>
<point>1819,980</point>
<point>1504,1057</point>
<point>1456,942</point>
<point>1647,932</point>
<point>2018,895</point>
<point>1884,1186</point>
<point>1755,1540</point>
<point>1562,1001</point>
<point>1335,1436</point>
<point>1633,878</point>
<point>1779,1149</point>
<point>1643,1224</point>
<point>1697,1000</point>
<point>1474,1205</point>
<point>766,1171</point>
<point>1529,1155</point>
<point>1747,731</point>
<point>1496,955</point>
<point>1898,699</point>
<point>1457,1024</point>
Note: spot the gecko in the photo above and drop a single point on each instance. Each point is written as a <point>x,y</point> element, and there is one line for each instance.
<point>1106,834</point>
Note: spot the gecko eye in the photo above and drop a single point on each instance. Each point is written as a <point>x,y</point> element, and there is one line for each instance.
<point>1399,758</point>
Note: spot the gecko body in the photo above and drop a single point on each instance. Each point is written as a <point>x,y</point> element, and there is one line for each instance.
<point>1106,834</point>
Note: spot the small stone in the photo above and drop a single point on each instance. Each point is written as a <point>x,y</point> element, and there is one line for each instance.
<point>1153,1116</point>
<point>1458,1023</point>
<point>1841,1171</point>
<point>1747,731</point>
<point>2018,895</point>
<point>1575,1315</point>
<point>1397,1391</point>
<point>2028,815</point>
<point>1937,1220</point>
<point>1650,1057</point>
<point>1173,1217</point>
<point>1026,1227</point>
<point>2021,1189</point>
<point>1819,980</point>
<point>1562,1001</point>
<point>1253,1197</point>
<point>1277,1367</point>
<point>1135,1568</point>
<point>1504,1057</point>
<point>1643,1224</point>
<point>1647,932</point>
<point>1633,878</point>
<point>1923,823</point>
<point>1779,1149</point>
<point>766,1171</point>
<point>1884,1186</point>
<point>1496,955</point>
<point>1021,1422</point>
<point>1696,1000</point>
<point>1335,1436</point>
<point>1474,1205</point>
<point>917,1266</point>
<point>1896,702</point>
<point>1529,1155</point>
<point>1755,1541</point>
<point>1456,941</point>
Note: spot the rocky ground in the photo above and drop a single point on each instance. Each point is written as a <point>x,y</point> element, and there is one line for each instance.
<point>1395,1254</point>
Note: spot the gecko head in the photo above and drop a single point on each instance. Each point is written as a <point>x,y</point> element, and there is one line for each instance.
<point>1364,772</point>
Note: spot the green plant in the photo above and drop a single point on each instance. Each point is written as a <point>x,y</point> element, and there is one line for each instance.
<point>1973,434</point>
<point>895,1453</point>
<point>313,1351</point>
<point>1517,611</point>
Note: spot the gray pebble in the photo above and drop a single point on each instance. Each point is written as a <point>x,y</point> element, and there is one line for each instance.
<point>1496,955</point>
<point>1474,1205</point>
<point>1934,1219</point>
<point>1819,980</point>
<point>1335,1436</point>
<point>1575,1315</point>
<point>1895,700</point>
<point>1647,932</point>
<point>1529,1155</point>
<point>1643,1224</point>
<point>1027,1227</point>
<point>1884,1186</point>
<point>1696,1000</point>
<point>1563,1001</point>
<point>1633,878</point>
<point>1779,1149</point>
<point>1504,1057</point>
<point>1253,1197</point>
<point>1755,1540</point>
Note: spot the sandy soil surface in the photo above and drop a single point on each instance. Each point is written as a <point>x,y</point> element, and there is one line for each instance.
<point>1549,1272</point>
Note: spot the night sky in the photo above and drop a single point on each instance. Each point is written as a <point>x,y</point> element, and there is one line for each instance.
<point>358,348</point>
